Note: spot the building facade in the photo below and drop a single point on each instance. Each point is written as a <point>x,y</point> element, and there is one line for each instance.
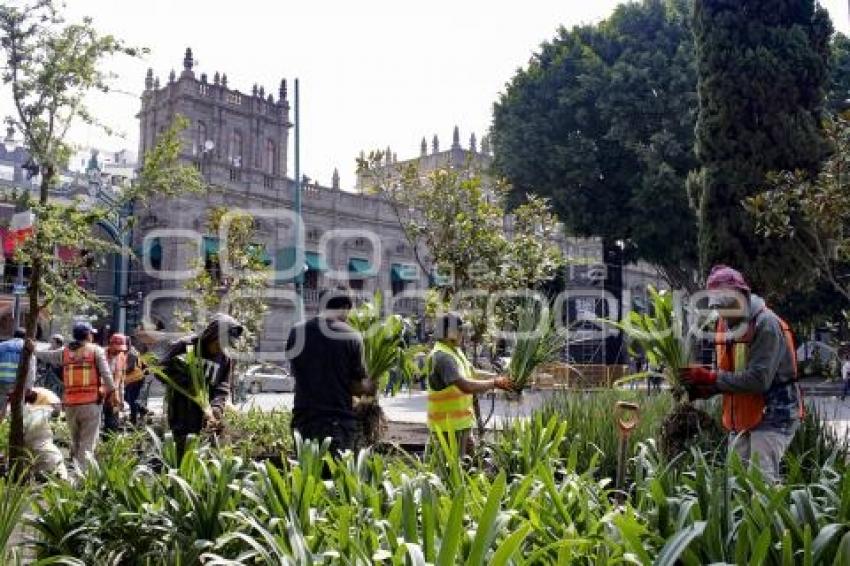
<point>239,143</point>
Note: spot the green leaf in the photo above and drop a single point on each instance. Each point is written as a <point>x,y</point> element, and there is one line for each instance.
<point>678,543</point>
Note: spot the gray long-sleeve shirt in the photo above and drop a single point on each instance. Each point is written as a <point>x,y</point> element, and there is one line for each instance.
<point>769,358</point>
<point>55,357</point>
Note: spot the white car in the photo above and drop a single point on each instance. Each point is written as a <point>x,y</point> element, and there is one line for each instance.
<point>268,379</point>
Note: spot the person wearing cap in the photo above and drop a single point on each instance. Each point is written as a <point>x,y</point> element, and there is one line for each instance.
<point>452,384</point>
<point>185,417</point>
<point>756,373</point>
<point>116,355</point>
<point>10,358</point>
<point>87,381</point>
<point>326,357</point>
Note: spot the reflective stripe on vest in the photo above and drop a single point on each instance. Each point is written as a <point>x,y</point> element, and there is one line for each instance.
<point>744,411</point>
<point>10,358</point>
<point>80,376</point>
<point>8,372</point>
<point>450,409</point>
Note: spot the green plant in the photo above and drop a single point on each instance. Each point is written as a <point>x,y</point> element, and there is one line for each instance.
<point>537,342</point>
<point>197,389</point>
<point>660,334</point>
<point>383,346</point>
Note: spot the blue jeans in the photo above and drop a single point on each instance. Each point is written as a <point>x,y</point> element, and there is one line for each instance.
<point>846,388</point>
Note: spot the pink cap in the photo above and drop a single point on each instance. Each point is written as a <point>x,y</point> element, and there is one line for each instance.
<point>724,277</point>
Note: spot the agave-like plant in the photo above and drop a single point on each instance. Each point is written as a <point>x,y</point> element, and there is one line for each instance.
<point>538,342</point>
<point>197,390</point>
<point>383,349</point>
<point>383,346</point>
<point>660,334</point>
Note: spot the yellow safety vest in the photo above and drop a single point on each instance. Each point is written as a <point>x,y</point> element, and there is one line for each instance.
<point>450,409</point>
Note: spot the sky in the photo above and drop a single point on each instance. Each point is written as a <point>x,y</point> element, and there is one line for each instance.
<point>373,73</point>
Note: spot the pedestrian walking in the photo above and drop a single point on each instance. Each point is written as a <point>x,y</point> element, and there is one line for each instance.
<point>88,384</point>
<point>10,358</point>
<point>185,417</point>
<point>326,357</point>
<point>116,355</point>
<point>134,381</point>
<point>845,375</point>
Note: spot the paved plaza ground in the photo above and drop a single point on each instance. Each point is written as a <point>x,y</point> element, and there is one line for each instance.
<point>410,408</point>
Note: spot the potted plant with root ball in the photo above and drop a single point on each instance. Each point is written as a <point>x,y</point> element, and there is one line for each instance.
<point>662,336</point>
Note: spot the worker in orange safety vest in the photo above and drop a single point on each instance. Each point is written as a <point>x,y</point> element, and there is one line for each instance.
<point>87,385</point>
<point>756,372</point>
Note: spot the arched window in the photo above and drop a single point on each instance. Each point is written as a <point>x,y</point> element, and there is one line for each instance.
<point>200,138</point>
<point>271,157</point>
<point>236,149</point>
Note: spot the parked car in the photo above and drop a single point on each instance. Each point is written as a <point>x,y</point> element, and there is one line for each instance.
<point>267,378</point>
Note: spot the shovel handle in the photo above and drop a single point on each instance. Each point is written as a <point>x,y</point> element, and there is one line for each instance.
<point>627,415</point>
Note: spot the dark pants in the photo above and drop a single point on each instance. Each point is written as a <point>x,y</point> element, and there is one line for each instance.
<point>110,418</point>
<point>846,388</point>
<point>131,394</point>
<point>342,434</point>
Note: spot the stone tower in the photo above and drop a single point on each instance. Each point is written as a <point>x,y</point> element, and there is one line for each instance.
<point>236,139</point>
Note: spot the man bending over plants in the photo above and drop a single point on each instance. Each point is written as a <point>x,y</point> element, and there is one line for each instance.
<point>452,384</point>
<point>199,372</point>
<point>756,373</point>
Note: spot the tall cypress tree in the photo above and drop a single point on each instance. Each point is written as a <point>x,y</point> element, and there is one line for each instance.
<point>763,71</point>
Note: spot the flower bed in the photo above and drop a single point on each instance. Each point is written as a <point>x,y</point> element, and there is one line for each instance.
<point>540,494</point>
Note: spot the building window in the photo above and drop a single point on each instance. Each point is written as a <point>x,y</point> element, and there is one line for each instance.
<point>355,284</point>
<point>268,182</point>
<point>271,157</point>
<point>397,287</point>
<point>236,149</point>
<point>200,138</point>
<point>311,279</point>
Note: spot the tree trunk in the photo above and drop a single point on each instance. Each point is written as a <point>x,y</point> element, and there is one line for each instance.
<point>18,457</point>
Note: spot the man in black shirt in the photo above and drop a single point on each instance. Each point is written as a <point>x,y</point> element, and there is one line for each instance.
<point>326,357</point>
<point>184,416</point>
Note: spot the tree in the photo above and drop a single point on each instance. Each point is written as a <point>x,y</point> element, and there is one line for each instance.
<point>601,121</point>
<point>50,67</point>
<point>763,71</point>
<point>239,290</point>
<point>809,214</point>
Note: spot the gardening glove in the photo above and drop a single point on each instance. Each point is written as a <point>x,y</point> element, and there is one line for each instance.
<point>694,376</point>
<point>504,384</point>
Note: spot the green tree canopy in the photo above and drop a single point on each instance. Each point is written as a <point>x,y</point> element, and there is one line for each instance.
<point>601,121</point>
<point>763,72</point>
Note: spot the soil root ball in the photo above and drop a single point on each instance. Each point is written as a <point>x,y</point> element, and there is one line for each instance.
<point>372,423</point>
<point>685,427</point>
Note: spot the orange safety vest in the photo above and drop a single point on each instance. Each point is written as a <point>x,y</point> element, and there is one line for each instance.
<point>80,376</point>
<point>744,411</point>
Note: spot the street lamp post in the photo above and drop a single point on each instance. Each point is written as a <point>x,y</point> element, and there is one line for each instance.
<point>296,205</point>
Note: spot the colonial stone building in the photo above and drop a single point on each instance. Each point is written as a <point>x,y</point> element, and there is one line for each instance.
<point>239,142</point>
